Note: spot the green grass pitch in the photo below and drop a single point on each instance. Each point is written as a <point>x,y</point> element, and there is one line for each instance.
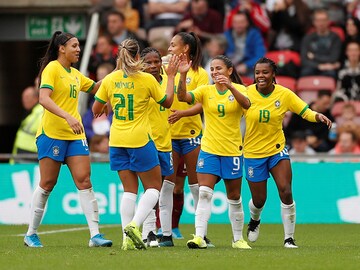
<point>321,246</point>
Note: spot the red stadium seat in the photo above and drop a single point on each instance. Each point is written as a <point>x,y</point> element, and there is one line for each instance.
<point>308,86</point>
<point>287,81</point>
<point>337,108</point>
<point>247,80</point>
<point>284,57</point>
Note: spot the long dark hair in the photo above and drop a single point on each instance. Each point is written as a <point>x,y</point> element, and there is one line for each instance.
<point>235,77</point>
<point>271,63</point>
<point>194,43</point>
<point>58,39</point>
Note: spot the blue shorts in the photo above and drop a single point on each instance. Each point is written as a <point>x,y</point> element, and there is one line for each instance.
<point>223,166</point>
<point>58,150</point>
<point>258,169</point>
<point>139,159</point>
<point>184,146</point>
<point>166,163</point>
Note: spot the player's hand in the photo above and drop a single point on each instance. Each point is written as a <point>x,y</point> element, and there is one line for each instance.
<point>173,65</point>
<point>184,65</point>
<point>75,125</point>
<point>323,119</point>
<point>175,116</point>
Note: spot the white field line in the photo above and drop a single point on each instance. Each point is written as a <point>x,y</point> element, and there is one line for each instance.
<point>68,230</point>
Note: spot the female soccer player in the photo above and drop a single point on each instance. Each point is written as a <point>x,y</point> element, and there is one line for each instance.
<point>185,133</point>
<point>221,147</point>
<point>160,126</point>
<point>132,150</point>
<point>61,137</point>
<point>264,145</point>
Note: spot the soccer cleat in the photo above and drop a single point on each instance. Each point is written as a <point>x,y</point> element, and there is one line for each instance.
<point>166,241</point>
<point>241,244</point>
<point>208,242</point>
<point>197,242</point>
<point>99,241</point>
<point>159,233</point>
<point>253,230</point>
<point>151,240</point>
<point>133,232</point>
<point>290,243</point>
<point>176,234</point>
<point>128,244</point>
<point>32,241</point>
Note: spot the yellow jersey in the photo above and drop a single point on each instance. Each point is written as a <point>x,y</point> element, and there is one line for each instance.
<point>188,127</point>
<point>222,135</point>
<point>65,85</point>
<point>264,135</point>
<point>129,98</point>
<point>160,127</point>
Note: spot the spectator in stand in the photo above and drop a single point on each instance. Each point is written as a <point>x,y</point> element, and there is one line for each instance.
<point>299,145</point>
<point>352,33</point>
<point>99,144</point>
<point>245,44</point>
<point>132,18</point>
<point>218,5</point>
<point>353,8</point>
<point>166,12</point>
<point>348,83</point>
<point>217,45</point>
<point>316,135</point>
<point>118,31</point>
<point>289,22</point>
<point>347,143</point>
<point>348,120</point>
<point>105,51</point>
<point>25,140</point>
<point>321,49</point>
<point>100,125</point>
<point>161,44</point>
<point>258,15</point>
<point>352,30</point>
<point>202,20</point>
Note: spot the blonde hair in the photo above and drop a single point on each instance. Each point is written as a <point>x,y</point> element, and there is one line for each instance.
<point>127,62</point>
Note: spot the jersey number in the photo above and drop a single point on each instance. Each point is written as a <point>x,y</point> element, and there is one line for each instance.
<point>264,116</point>
<point>122,105</point>
<point>73,91</point>
<point>221,110</point>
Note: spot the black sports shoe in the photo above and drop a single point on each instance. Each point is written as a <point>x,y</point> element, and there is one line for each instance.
<point>151,240</point>
<point>290,243</point>
<point>208,242</point>
<point>253,230</point>
<point>166,241</point>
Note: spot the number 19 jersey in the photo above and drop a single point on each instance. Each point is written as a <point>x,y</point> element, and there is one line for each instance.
<point>264,135</point>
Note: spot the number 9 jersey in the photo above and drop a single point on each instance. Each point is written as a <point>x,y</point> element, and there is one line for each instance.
<point>264,135</point>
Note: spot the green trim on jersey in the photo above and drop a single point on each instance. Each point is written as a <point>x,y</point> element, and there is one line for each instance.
<point>163,99</point>
<point>192,98</point>
<point>91,88</point>
<point>100,100</point>
<point>47,86</point>
<point>303,110</point>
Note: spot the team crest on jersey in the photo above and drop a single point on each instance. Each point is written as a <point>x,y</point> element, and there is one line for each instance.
<point>277,103</point>
<point>231,98</point>
<point>201,163</point>
<point>56,151</point>
<point>77,80</point>
<point>188,80</point>
<point>251,172</point>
